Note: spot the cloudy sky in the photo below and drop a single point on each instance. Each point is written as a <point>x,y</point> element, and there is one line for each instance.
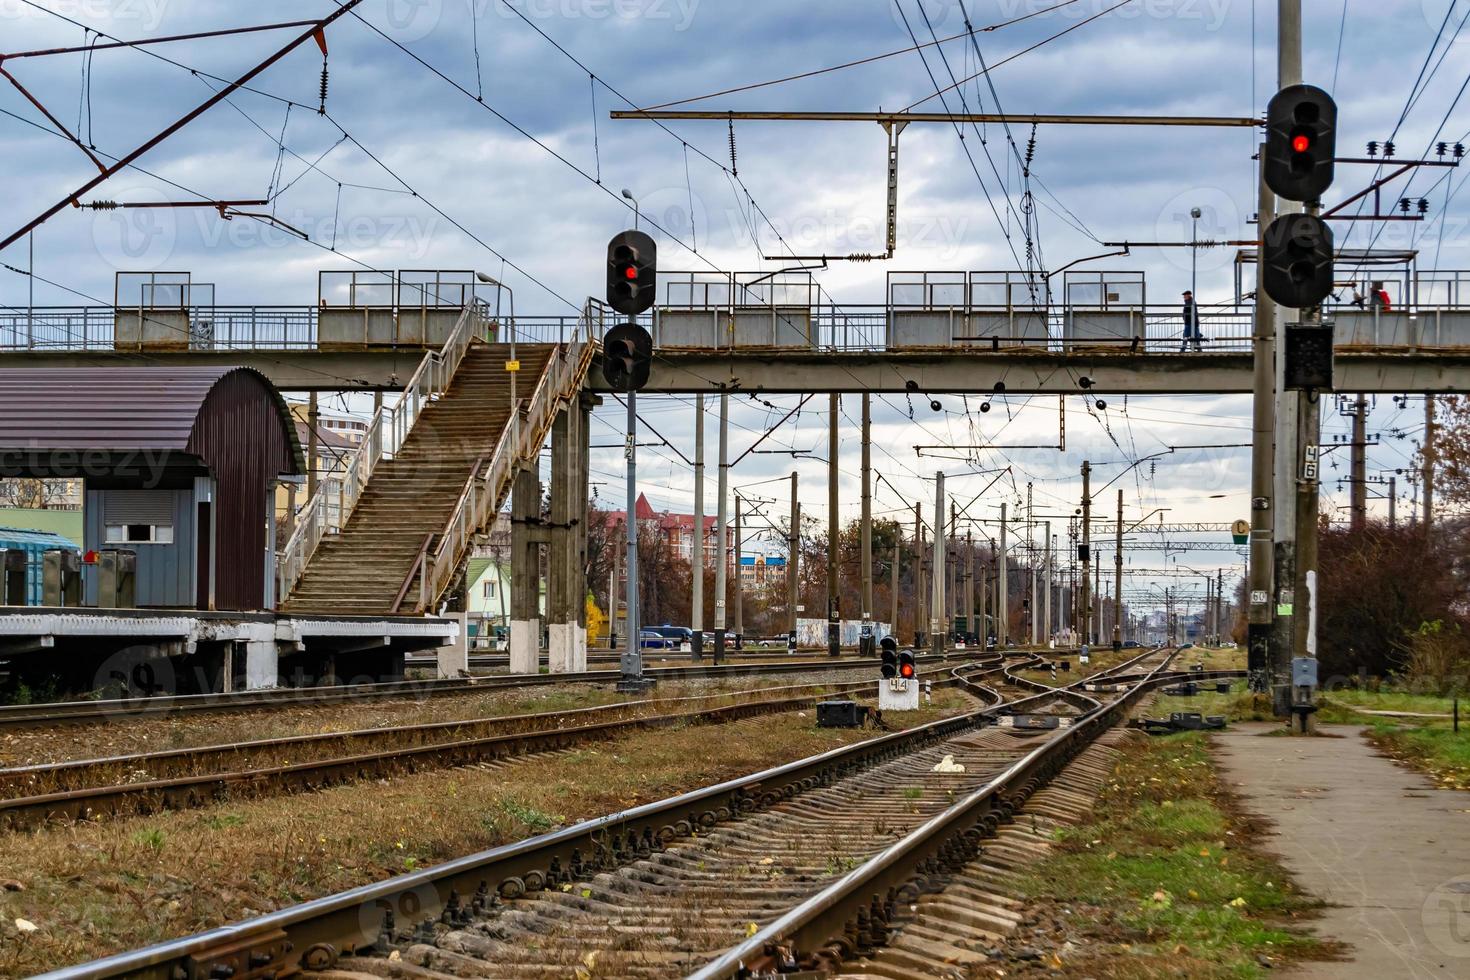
<point>457,135</point>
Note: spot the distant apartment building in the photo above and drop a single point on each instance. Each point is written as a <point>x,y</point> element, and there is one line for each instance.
<point>678,530</point>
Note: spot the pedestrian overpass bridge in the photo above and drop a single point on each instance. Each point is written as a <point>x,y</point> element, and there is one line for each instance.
<point>936,333</point>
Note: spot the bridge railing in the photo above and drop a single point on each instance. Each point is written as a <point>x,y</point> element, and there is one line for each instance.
<point>93,328</point>
<point>328,510</point>
<point>490,482</point>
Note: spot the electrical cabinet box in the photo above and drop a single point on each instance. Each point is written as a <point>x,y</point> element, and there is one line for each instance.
<point>839,714</point>
<point>1304,672</point>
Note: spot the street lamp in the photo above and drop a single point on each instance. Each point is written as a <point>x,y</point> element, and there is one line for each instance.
<point>515,415</point>
<point>629,195</point>
<point>1194,215</point>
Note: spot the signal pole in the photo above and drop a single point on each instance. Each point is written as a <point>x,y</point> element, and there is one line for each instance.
<point>696,556</point>
<point>632,679</point>
<point>722,548</point>
<point>834,613</point>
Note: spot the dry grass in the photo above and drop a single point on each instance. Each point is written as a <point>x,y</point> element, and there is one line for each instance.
<point>125,736</point>
<point>99,888</point>
<point>251,756</point>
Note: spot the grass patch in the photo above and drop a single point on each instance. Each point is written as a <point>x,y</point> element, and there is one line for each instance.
<point>1163,879</point>
<point>110,885</point>
<point>1238,705</point>
<point>1440,753</point>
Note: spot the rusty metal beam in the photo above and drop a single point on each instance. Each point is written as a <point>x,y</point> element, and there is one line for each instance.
<point>225,92</point>
<point>1059,119</point>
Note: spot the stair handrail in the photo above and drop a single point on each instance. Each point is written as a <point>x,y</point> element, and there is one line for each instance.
<point>330,507</point>
<point>480,499</point>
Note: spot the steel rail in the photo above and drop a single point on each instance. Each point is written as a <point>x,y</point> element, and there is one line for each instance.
<point>477,740</point>
<point>825,928</point>
<point>315,935</point>
<point>71,712</point>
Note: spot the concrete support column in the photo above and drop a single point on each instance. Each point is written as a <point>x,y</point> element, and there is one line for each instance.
<point>262,664</point>
<point>525,574</point>
<point>454,660</point>
<point>561,604</point>
<point>581,499</point>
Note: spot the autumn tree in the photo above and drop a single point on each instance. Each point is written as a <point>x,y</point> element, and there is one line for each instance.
<point>1451,455</point>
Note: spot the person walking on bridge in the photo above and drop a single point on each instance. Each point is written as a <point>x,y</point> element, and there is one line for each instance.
<point>1191,323</point>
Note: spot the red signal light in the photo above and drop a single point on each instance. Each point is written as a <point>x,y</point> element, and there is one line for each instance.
<point>631,272</point>
<point>1301,144</point>
<point>907,670</point>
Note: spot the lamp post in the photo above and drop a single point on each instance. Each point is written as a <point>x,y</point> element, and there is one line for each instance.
<point>1194,215</point>
<point>515,415</point>
<point>629,195</point>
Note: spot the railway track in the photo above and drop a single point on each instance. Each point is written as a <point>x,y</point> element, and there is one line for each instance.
<point>84,712</point>
<point>809,860</point>
<point>199,776</point>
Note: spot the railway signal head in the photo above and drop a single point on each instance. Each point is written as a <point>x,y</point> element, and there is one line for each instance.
<point>906,665</point>
<point>1301,142</point>
<point>1297,261</point>
<point>890,658</point>
<point>627,356</point>
<point>632,272</point>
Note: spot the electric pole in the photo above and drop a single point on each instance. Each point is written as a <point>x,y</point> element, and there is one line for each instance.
<point>1002,585</point>
<point>937,625</point>
<point>920,613</point>
<point>696,555</point>
<point>739,589</point>
<point>1430,450</point>
<point>865,641</point>
<point>793,561</point>
<point>1118,579</point>
<point>1359,490</point>
<point>834,613</point>
<point>893,582</point>
<point>722,549</point>
<point>1084,554</point>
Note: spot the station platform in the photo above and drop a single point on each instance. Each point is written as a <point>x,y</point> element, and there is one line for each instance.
<point>1386,848</point>
<point>194,652</point>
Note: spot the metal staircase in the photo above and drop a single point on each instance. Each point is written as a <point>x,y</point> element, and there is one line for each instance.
<point>388,536</point>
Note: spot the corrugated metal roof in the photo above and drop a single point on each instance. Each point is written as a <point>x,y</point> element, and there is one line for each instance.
<point>14,537</point>
<point>103,408</point>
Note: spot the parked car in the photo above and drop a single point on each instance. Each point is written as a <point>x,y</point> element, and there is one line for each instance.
<point>676,635</point>
<point>649,639</point>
